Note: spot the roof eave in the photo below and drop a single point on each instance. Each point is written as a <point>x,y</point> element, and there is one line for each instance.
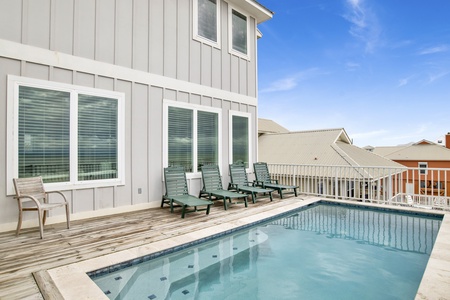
<point>254,8</point>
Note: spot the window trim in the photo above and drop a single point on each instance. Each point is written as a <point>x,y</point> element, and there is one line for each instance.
<point>200,38</point>
<point>230,131</point>
<point>13,83</point>
<point>423,168</point>
<point>195,108</point>
<point>230,33</point>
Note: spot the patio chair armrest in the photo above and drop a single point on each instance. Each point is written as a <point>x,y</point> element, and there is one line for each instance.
<point>36,201</point>
<point>60,193</point>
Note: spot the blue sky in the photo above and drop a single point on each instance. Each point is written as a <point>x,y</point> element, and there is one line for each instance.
<point>378,68</point>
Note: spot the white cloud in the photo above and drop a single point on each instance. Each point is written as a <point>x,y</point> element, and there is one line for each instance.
<point>352,66</point>
<point>404,81</point>
<point>436,49</point>
<point>290,82</point>
<point>434,77</point>
<point>364,24</point>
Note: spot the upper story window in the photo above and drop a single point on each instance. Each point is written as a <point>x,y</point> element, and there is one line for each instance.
<point>240,138</point>
<point>68,135</point>
<point>206,21</point>
<point>192,136</point>
<point>423,168</point>
<point>238,31</point>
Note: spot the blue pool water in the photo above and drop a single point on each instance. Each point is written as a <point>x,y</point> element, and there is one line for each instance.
<point>323,252</point>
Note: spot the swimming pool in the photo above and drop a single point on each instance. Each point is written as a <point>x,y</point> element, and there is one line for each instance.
<point>324,251</point>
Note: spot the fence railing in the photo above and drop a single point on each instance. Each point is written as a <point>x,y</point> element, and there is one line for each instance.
<point>427,188</point>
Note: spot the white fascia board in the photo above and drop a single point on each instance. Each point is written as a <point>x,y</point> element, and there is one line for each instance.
<point>256,10</point>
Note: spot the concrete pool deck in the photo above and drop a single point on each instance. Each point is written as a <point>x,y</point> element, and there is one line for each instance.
<point>71,281</point>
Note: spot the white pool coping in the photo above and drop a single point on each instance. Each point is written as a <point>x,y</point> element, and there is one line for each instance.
<point>72,281</point>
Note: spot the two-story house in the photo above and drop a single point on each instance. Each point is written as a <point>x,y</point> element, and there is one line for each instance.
<point>427,162</point>
<point>97,97</point>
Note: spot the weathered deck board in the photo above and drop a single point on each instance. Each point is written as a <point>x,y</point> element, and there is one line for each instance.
<point>26,254</point>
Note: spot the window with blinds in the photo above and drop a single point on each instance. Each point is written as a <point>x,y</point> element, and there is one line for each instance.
<point>239,32</point>
<point>97,137</point>
<point>44,134</point>
<point>66,134</point>
<point>180,138</point>
<point>240,140</point>
<point>207,138</point>
<point>192,136</point>
<point>207,19</point>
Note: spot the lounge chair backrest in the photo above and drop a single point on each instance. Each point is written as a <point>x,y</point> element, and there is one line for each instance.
<point>32,186</point>
<point>261,172</point>
<point>238,174</point>
<point>211,178</point>
<point>175,181</point>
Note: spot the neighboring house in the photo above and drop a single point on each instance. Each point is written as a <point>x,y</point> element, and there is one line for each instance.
<point>424,156</point>
<point>269,126</point>
<point>332,148</point>
<point>99,96</point>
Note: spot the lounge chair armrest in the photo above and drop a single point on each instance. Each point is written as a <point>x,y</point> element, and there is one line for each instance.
<point>258,183</point>
<point>232,186</point>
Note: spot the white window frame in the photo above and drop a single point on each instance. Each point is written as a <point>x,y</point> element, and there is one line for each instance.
<point>230,130</point>
<point>203,39</point>
<point>195,108</point>
<point>423,168</point>
<point>12,132</point>
<point>230,33</point>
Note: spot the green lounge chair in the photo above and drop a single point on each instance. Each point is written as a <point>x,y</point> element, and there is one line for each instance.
<point>177,191</point>
<point>212,186</point>
<point>264,180</point>
<point>239,182</point>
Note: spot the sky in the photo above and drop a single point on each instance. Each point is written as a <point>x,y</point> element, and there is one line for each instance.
<point>380,69</point>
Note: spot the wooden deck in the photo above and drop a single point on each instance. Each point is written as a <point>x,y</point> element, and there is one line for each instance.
<point>26,254</point>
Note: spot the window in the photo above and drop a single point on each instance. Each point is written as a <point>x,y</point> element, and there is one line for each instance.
<point>238,31</point>
<point>68,135</point>
<point>192,137</point>
<point>206,21</point>
<point>240,138</point>
<point>423,166</point>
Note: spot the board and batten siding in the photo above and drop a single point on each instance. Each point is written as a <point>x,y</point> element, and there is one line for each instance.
<point>141,48</point>
<point>151,36</point>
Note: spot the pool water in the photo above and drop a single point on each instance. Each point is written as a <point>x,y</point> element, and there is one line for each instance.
<point>322,252</point>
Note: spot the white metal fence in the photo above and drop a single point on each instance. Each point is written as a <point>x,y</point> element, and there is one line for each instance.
<point>420,187</point>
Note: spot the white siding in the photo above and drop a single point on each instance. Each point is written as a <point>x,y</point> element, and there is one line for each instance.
<point>141,48</point>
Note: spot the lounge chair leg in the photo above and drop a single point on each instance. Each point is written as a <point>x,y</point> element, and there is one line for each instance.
<point>253,198</point>
<point>295,192</point>
<point>183,212</point>
<point>207,209</point>
<point>270,195</point>
<point>280,191</point>
<point>225,203</point>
